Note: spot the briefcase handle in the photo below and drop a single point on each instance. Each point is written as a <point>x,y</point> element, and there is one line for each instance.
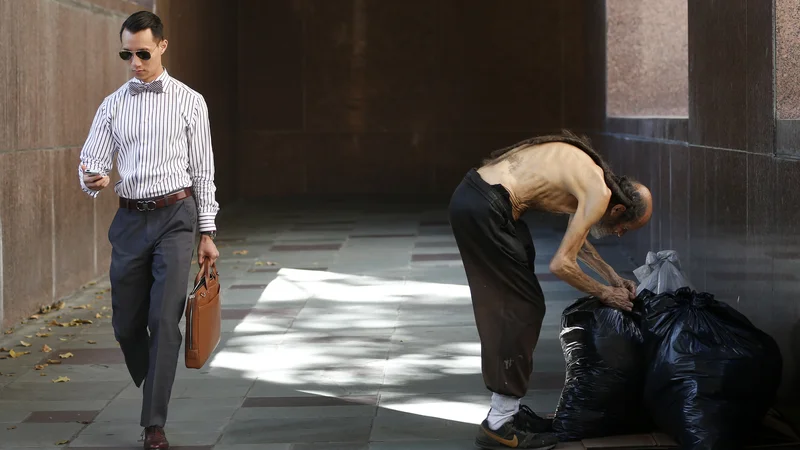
<point>207,269</point>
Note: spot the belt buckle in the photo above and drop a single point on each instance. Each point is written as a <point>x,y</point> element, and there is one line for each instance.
<point>146,205</point>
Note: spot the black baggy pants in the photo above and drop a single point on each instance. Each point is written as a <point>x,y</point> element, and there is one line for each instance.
<point>150,263</point>
<point>507,299</point>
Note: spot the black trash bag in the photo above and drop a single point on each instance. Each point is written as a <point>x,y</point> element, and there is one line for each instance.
<point>604,353</point>
<point>712,375</point>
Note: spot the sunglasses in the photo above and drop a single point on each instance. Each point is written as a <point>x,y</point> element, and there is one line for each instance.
<point>126,55</point>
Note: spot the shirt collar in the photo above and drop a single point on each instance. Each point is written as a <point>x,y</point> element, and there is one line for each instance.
<point>164,77</point>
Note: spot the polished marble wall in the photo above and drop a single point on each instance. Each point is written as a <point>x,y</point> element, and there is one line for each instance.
<point>725,197</point>
<point>59,62</point>
<point>647,58</point>
<point>391,97</point>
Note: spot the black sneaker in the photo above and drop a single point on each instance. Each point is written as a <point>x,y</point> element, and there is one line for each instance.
<point>531,422</point>
<point>513,434</point>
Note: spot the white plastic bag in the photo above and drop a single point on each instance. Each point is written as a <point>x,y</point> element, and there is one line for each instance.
<point>661,273</point>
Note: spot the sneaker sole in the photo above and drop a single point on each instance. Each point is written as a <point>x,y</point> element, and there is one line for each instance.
<point>491,445</point>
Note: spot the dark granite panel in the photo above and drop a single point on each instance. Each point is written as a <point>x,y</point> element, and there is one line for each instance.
<point>699,170</point>
<point>787,139</point>
<point>396,62</point>
<point>783,304</point>
<point>271,58</point>
<point>726,222</point>
<point>663,196</point>
<point>335,77</point>
<point>655,128</point>
<point>759,69</point>
<point>479,43</point>
<point>718,73</point>
<point>583,57</point>
<point>760,245</point>
<point>679,193</point>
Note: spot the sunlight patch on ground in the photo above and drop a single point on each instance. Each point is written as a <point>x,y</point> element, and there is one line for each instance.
<point>343,333</point>
<point>448,410</point>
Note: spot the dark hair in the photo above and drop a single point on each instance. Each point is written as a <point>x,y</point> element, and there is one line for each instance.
<point>141,21</point>
<point>623,189</point>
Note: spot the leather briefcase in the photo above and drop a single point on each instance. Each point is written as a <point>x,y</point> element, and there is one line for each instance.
<point>203,317</point>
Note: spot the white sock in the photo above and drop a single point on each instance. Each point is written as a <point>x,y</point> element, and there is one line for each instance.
<point>503,408</point>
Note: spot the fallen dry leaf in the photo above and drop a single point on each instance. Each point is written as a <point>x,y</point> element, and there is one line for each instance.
<point>91,283</point>
<point>82,307</point>
<point>82,321</point>
<point>14,354</point>
<point>66,355</point>
<point>34,317</point>
<point>105,308</point>
<point>44,309</point>
<point>259,263</point>
<point>12,427</point>
<point>46,349</point>
<point>62,442</point>
<point>42,374</point>
<point>3,349</point>
<point>99,297</point>
<point>25,344</point>
<point>91,342</point>
<point>53,361</point>
<point>29,336</point>
<point>40,366</point>
<point>62,339</point>
<point>59,305</point>
<point>61,380</point>
<point>240,252</point>
<point>98,316</point>
<point>9,331</point>
<point>42,335</point>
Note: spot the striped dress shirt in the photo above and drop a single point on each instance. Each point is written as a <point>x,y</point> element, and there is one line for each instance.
<point>162,142</point>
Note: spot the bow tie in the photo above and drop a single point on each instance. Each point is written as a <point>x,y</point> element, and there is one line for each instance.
<point>137,88</point>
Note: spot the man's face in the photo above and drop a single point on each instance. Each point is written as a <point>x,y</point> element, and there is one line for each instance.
<point>607,226</point>
<point>145,70</point>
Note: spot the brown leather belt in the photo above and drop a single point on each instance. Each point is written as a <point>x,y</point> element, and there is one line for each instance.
<point>151,204</point>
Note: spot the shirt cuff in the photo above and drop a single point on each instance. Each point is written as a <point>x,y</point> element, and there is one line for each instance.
<point>206,222</point>
<point>91,192</point>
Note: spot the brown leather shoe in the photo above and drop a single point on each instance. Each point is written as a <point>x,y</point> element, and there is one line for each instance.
<point>155,439</point>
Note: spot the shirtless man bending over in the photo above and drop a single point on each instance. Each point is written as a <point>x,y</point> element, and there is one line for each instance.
<point>560,174</point>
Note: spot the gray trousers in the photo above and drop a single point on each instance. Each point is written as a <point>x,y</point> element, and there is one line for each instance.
<point>150,262</point>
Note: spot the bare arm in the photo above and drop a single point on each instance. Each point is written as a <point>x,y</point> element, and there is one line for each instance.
<point>565,262</point>
<point>589,255</point>
<point>592,204</point>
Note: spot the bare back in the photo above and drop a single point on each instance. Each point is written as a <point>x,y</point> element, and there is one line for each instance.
<point>554,177</point>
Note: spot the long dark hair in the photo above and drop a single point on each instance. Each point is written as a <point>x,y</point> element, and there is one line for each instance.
<point>623,189</point>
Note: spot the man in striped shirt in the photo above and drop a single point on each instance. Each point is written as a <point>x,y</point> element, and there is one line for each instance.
<point>158,129</point>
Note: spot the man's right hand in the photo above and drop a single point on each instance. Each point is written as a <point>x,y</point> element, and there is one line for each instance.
<point>618,297</point>
<point>95,182</point>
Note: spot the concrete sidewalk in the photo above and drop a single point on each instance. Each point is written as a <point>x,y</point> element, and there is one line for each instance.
<point>343,329</point>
